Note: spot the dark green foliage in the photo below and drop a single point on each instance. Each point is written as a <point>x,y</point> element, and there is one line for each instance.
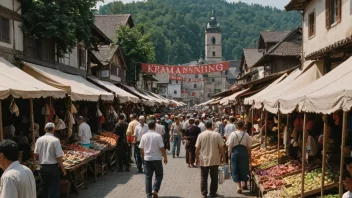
<point>177,26</point>
<point>67,22</point>
<point>136,47</point>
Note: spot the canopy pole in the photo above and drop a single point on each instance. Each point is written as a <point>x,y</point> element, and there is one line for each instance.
<point>343,141</point>
<point>303,153</point>
<point>32,129</point>
<point>278,137</point>
<point>266,126</point>
<point>325,135</point>
<point>287,133</point>
<point>252,122</point>
<point>1,128</point>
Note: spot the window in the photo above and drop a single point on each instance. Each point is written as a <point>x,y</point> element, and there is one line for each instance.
<point>195,85</point>
<point>196,75</point>
<point>226,72</point>
<point>81,56</point>
<point>214,54</point>
<point>4,30</point>
<point>213,80</point>
<point>332,12</point>
<point>193,94</point>
<point>175,92</point>
<point>170,81</point>
<point>114,70</point>
<point>311,24</point>
<point>213,40</point>
<point>209,95</point>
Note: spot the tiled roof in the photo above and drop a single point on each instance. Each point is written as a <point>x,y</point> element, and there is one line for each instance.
<point>273,37</point>
<point>287,46</point>
<point>108,24</point>
<point>105,53</point>
<point>252,56</point>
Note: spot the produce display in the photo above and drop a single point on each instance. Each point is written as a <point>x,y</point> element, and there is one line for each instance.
<point>110,135</point>
<point>267,165</point>
<point>273,183</point>
<point>97,146</point>
<point>81,149</point>
<point>330,196</point>
<point>258,152</point>
<point>312,181</point>
<point>278,171</point>
<point>107,140</point>
<point>267,158</point>
<point>274,193</point>
<point>72,158</point>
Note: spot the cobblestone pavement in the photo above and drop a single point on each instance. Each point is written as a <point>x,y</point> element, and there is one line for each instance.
<point>179,181</point>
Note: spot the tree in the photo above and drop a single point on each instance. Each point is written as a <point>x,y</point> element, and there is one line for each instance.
<point>67,22</point>
<point>136,47</point>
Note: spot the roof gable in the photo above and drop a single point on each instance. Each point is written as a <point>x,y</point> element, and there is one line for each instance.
<point>105,53</point>
<point>109,24</point>
<point>251,56</point>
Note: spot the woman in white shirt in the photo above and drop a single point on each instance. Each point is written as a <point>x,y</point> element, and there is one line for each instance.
<point>239,145</point>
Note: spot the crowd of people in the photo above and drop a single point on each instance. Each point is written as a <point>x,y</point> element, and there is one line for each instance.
<point>209,141</point>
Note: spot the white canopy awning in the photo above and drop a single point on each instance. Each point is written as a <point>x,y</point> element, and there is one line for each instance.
<point>123,95</point>
<point>164,100</point>
<point>325,95</point>
<point>145,99</point>
<point>259,100</point>
<point>250,100</point>
<point>309,75</point>
<point>19,84</point>
<point>78,87</point>
<point>232,98</point>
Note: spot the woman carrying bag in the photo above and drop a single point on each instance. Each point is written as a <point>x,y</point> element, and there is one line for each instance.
<point>239,145</point>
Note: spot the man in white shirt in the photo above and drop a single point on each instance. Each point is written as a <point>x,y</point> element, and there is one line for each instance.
<point>48,148</point>
<point>160,129</point>
<point>84,133</point>
<point>17,180</point>
<point>230,127</point>
<point>139,131</point>
<point>201,125</point>
<point>347,182</point>
<point>152,149</point>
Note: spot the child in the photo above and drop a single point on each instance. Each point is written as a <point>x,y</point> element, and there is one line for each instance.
<point>347,182</point>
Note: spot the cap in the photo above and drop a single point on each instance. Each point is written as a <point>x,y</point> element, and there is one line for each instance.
<point>141,118</point>
<point>49,125</point>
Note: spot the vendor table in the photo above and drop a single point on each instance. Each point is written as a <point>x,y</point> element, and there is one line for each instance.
<point>77,175</point>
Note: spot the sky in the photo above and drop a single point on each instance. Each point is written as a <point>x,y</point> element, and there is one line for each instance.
<point>275,3</point>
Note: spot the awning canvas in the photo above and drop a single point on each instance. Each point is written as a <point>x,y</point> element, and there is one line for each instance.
<point>259,100</point>
<point>79,88</point>
<point>145,99</point>
<point>121,94</point>
<point>15,82</point>
<point>326,95</point>
<point>309,75</point>
<point>250,100</point>
<point>232,98</point>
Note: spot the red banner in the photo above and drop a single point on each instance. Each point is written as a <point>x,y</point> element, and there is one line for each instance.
<point>201,69</point>
<point>180,78</point>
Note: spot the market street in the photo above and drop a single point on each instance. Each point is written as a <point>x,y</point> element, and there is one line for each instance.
<point>179,181</point>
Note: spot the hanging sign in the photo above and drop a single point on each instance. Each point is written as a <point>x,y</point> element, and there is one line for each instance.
<point>201,69</point>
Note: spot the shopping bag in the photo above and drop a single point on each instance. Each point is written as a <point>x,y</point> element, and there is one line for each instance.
<point>221,175</point>
<point>226,171</point>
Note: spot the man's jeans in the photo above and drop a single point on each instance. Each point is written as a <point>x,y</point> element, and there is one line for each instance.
<point>138,157</point>
<point>50,175</point>
<point>149,168</point>
<point>177,143</point>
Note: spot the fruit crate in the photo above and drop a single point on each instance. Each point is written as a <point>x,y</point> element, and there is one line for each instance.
<point>312,192</point>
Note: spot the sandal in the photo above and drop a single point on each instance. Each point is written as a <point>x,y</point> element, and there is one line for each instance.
<point>239,191</point>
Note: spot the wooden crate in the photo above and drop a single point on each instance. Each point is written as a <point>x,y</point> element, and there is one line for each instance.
<point>312,192</point>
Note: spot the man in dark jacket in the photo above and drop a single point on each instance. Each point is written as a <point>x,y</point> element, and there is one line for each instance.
<point>191,135</point>
<point>122,147</point>
<point>167,134</point>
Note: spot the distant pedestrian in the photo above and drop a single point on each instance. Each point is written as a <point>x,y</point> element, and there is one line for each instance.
<point>130,133</point>
<point>230,127</point>
<point>176,133</point>
<point>152,149</point>
<point>139,131</point>
<point>191,135</point>
<point>209,150</point>
<point>122,147</point>
<point>17,181</point>
<point>239,145</point>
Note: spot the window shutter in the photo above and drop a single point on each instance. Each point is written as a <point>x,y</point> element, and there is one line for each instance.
<point>327,13</point>
<point>338,11</point>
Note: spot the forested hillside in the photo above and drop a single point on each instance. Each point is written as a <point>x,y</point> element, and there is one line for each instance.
<point>177,26</point>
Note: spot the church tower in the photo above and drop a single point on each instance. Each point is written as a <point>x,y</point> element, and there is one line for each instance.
<point>213,43</point>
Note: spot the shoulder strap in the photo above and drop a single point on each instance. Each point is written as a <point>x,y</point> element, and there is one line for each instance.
<point>240,140</point>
